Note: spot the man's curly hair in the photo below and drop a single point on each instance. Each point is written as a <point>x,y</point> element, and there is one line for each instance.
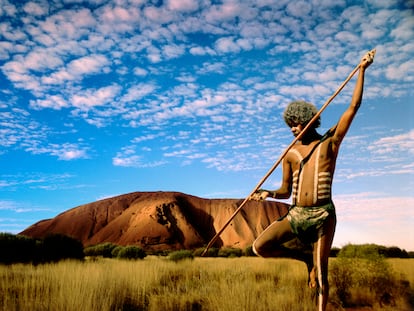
<point>301,112</point>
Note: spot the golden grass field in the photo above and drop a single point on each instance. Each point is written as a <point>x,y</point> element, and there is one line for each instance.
<point>156,283</point>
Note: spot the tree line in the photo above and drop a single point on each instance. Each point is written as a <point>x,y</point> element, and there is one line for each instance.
<point>56,247</point>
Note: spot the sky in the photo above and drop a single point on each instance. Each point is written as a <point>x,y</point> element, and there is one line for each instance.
<point>102,98</point>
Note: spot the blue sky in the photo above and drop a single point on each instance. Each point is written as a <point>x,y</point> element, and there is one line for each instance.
<point>103,98</point>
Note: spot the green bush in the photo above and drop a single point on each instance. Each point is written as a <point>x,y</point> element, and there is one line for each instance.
<point>230,252</point>
<point>248,251</point>
<point>56,247</point>
<point>116,251</point>
<point>334,252</point>
<point>351,277</point>
<point>104,250</point>
<point>367,251</point>
<point>131,252</point>
<point>212,252</point>
<point>371,251</point>
<point>17,248</point>
<point>180,255</point>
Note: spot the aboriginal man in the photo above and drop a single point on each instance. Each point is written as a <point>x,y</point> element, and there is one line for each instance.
<point>307,173</point>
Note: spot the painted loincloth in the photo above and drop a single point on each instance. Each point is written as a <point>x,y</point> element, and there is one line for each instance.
<point>306,221</point>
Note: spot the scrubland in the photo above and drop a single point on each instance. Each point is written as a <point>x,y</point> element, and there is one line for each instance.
<point>222,284</point>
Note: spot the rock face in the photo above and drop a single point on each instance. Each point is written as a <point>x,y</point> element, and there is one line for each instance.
<point>162,221</point>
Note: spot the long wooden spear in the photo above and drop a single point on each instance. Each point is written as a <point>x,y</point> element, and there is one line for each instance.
<point>370,54</point>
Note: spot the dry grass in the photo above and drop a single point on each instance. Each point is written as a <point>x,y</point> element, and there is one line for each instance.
<point>155,283</point>
<point>404,267</point>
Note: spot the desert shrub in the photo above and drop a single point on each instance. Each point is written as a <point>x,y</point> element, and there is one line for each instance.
<point>17,248</point>
<point>159,252</point>
<point>211,252</point>
<point>197,252</point>
<point>248,251</point>
<point>90,251</point>
<point>104,250</point>
<point>230,252</point>
<point>56,247</point>
<point>367,251</point>
<point>334,252</point>
<point>362,282</point>
<point>372,251</point>
<point>180,255</point>
<point>131,252</point>
<point>116,250</point>
<point>396,252</point>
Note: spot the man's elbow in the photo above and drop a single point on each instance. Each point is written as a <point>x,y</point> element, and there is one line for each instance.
<point>283,194</point>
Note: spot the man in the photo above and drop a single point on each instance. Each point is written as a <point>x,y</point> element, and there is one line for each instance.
<point>308,169</point>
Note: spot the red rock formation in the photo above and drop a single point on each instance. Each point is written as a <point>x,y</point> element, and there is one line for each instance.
<point>161,220</point>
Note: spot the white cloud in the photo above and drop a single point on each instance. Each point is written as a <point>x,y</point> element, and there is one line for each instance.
<point>7,8</point>
<point>9,34</point>
<point>42,59</point>
<point>299,9</point>
<point>173,51</point>
<point>403,71</point>
<point>183,5</point>
<point>71,154</point>
<point>216,67</point>
<point>222,12</point>
<point>34,180</point>
<point>51,101</point>
<point>87,65</point>
<point>93,98</point>
<point>383,3</point>
<point>346,36</point>
<point>77,69</point>
<point>353,16</point>
<point>391,145</point>
<point>198,50</point>
<point>227,45</point>
<point>67,25</point>
<point>127,157</point>
<point>154,54</point>
<point>65,151</point>
<point>158,15</point>
<point>131,161</point>
<point>136,92</point>
<point>405,29</point>
<point>32,8</point>
<point>17,129</point>
<point>140,71</point>
<point>7,205</point>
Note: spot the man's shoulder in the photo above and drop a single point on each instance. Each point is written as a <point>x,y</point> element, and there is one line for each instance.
<point>294,153</point>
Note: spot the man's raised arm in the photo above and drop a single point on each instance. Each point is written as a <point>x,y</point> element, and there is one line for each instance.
<point>347,117</point>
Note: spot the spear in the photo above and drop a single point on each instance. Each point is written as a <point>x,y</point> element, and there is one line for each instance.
<point>371,55</point>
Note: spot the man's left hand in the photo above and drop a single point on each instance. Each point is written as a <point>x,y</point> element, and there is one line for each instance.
<point>260,195</point>
<point>368,59</point>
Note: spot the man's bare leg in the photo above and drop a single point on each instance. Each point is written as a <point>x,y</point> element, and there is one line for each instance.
<point>318,276</point>
<point>269,242</point>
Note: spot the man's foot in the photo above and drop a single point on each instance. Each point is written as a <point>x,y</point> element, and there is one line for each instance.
<point>312,281</point>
